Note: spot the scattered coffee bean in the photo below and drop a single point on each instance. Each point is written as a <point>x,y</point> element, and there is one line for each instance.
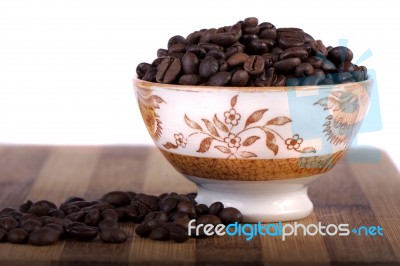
<point>8,223</point>
<point>83,233</point>
<point>113,235</point>
<point>216,208</point>
<point>43,237</point>
<point>17,236</point>
<point>230,215</point>
<point>116,198</point>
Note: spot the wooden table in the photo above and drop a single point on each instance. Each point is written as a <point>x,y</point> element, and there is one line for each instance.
<point>354,193</point>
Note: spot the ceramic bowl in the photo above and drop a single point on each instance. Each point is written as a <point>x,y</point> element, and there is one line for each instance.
<point>254,148</point>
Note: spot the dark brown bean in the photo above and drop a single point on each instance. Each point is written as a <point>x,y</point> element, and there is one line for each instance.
<point>159,233</point>
<point>237,59</point>
<point>28,204</point>
<point>230,215</point>
<point>176,39</point>
<point>92,218</point>
<point>224,39</point>
<point>177,48</point>
<point>298,52</point>
<point>143,230</point>
<point>254,65</point>
<point>340,54</point>
<point>17,236</point>
<point>57,213</point>
<point>321,47</point>
<point>316,62</point>
<point>219,79</point>
<point>215,208</point>
<point>116,198</point>
<point>206,36</point>
<point>190,79</point>
<point>194,37</point>
<point>304,69</point>
<point>240,78</point>
<point>110,214</point>
<point>208,67</point>
<point>176,233</point>
<point>190,63</point>
<point>345,67</point>
<point>8,223</point>
<point>43,237</point>
<point>233,49</point>
<point>30,225</point>
<point>280,81</point>
<point>169,70</point>
<point>287,66</point>
<point>251,21</point>
<point>3,235</point>
<point>162,52</point>
<point>150,201</point>
<point>107,223</point>
<point>113,235</point>
<point>199,51</point>
<point>258,46</point>
<point>83,233</point>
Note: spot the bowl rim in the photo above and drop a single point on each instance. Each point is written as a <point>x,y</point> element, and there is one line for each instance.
<point>146,84</point>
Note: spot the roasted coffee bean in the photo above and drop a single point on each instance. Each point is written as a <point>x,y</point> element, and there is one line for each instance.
<point>188,208</point>
<point>57,213</point>
<point>17,236</point>
<point>224,39</point>
<point>312,80</point>
<point>69,208</point>
<point>251,22</point>
<point>143,230</point>
<point>28,216</point>
<point>288,40</point>
<point>81,204</point>
<point>8,223</point>
<point>217,54</point>
<point>169,204</point>
<point>107,223</point>
<point>202,209</point>
<point>304,69</point>
<point>3,235</point>
<point>206,36</point>
<point>100,206</point>
<point>6,211</point>
<point>215,208</point>
<point>345,67</point>
<point>162,52</point>
<point>208,67</point>
<point>76,216</point>
<point>199,51</point>
<point>240,78</point>
<point>251,29</point>
<point>298,52</point>
<point>247,38</point>
<point>223,65</point>
<point>266,78</point>
<point>73,199</point>
<point>176,233</point>
<point>190,79</point>
<point>92,218</point>
<point>269,59</point>
<point>258,46</point>
<point>176,39</point>
<point>43,237</point>
<point>287,66</point>
<point>360,73</point>
<point>169,70</point>
<point>194,37</point>
<point>158,216</point>
<point>190,63</point>
<point>159,233</point>
<point>211,46</point>
<point>237,59</point>
<point>83,233</point>
<point>340,54</point>
<point>254,65</point>
<point>219,79</point>
<point>16,215</point>
<point>177,48</point>
<point>267,33</point>
<point>321,47</point>
<point>150,201</point>
<point>318,72</point>
<point>113,235</point>
<point>42,208</point>
<point>30,225</point>
<point>316,62</point>
<point>55,227</point>
<point>328,66</point>
<point>27,205</point>
<point>141,70</point>
<point>230,215</point>
<point>117,198</point>
<point>177,215</point>
<point>279,81</point>
<point>233,49</point>
<point>110,214</point>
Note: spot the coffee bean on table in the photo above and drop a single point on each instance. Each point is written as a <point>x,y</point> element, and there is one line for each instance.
<point>110,214</point>
<point>3,235</point>
<point>8,223</point>
<point>159,233</point>
<point>215,208</point>
<point>30,225</point>
<point>83,233</point>
<point>116,198</point>
<point>113,235</point>
<point>43,237</point>
<point>107,223</point>
<point>17,236</point>
<point>230,215</point>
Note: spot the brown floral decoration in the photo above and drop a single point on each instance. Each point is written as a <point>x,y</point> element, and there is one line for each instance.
<point>229,139</point>
<point>148,105</point>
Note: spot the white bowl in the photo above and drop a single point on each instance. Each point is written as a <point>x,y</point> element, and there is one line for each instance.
<point>254,148</point>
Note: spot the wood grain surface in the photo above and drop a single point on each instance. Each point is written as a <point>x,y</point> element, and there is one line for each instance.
<point>354,193</point>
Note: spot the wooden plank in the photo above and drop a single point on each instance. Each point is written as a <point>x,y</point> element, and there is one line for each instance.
<point>296,249</point>
<point>339,199</point>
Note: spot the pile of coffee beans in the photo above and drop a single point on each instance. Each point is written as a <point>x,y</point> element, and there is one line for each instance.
<point>161,217</point>
<point>250,53</point>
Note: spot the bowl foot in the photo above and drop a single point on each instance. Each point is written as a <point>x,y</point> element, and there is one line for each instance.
<point>264,201</point>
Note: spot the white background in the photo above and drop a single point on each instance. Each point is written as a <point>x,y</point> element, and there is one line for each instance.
<point>66,67</point>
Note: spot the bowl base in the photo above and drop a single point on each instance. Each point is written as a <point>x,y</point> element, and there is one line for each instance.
<point>259,201</point>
